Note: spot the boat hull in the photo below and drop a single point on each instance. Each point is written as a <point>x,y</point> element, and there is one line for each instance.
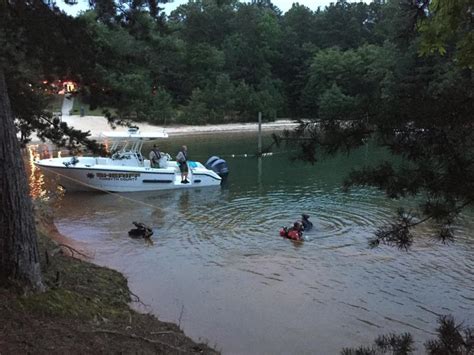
<point>125,179</point>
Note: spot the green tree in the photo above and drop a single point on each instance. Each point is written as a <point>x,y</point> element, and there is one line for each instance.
<point>19,259</point>
<point>204,63</point>
<point>207,21</point>
<point>160,107</point>
<point>125,10</point>
<point>251,48</point>
<point>126,72</point>
<point>451,339</point>
<point>196,111</point>
<point>344,24</point>
<point>334,104</point>
<point>357,79</point>
<point>31,51</point>
<point>295,49</point>
<point>448,26</point>
<point>419,108</point>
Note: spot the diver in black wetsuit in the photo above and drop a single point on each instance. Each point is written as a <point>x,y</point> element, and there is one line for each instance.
<point>307,224</point>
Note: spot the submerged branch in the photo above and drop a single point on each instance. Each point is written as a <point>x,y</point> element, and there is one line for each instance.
<point>73,251</point>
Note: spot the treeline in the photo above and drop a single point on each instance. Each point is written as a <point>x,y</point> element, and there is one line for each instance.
<point>223,61</point>
<point>217,61</point>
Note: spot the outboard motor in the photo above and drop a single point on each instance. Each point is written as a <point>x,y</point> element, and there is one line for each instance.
<point>218,165</point>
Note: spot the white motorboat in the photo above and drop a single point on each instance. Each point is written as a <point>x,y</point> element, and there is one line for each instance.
<point>125,170</point>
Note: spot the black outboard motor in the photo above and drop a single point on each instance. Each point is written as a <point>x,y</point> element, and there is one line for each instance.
<point>218,165</point>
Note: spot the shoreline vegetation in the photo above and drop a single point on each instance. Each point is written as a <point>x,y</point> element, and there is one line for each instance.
<point>85,308</point>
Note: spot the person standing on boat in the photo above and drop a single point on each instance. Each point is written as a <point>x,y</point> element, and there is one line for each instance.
<point>155,157</point>
<point>182,159</point>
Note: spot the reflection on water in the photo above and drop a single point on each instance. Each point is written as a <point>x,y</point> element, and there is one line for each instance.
<point>218,259</point>
<point>35,178</point>
<point>39,187</point>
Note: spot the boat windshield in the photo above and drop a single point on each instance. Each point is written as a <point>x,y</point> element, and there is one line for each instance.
<point>129,144</point>
<point>124,146</point>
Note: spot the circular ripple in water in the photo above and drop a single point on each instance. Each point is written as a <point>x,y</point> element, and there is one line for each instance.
<point>217,252</point>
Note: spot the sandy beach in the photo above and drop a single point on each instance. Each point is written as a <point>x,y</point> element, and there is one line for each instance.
<point>99,124</point>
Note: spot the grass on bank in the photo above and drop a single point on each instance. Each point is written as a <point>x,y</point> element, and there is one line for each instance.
<point>77,288</point>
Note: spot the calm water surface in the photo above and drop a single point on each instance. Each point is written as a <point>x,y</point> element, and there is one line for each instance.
<point>218,266</point>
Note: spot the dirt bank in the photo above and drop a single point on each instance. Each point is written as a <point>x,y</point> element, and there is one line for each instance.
<point>85,310</point>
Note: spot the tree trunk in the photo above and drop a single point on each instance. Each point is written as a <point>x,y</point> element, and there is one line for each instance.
<point>19,258</point>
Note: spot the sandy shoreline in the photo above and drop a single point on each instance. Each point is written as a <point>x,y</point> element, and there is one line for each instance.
<point>99,124</point>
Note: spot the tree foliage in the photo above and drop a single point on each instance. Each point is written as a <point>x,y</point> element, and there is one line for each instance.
<point>451,339</point>
<point>449,26</point>
<point>124,52</point>
<point>418,107</point>
<point>33,52</point>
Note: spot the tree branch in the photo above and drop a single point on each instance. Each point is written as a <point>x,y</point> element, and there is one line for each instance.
<point>138,337</point>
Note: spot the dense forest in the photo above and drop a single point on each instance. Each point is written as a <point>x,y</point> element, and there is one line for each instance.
<point>223,61</point>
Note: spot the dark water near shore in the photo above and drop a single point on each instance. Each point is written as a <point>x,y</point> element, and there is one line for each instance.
<point>218,267</point>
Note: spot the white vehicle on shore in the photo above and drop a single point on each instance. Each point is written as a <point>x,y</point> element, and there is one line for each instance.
<point>126,170</point>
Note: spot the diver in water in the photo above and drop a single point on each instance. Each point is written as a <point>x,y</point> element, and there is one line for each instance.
<point>307,224</point>
<point>296,231</point>
<point>293,233</point>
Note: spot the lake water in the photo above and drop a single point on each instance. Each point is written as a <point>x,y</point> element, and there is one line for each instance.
<point>218,267</point>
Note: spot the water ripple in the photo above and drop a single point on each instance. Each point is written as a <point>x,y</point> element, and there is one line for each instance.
<point>219,249</point>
